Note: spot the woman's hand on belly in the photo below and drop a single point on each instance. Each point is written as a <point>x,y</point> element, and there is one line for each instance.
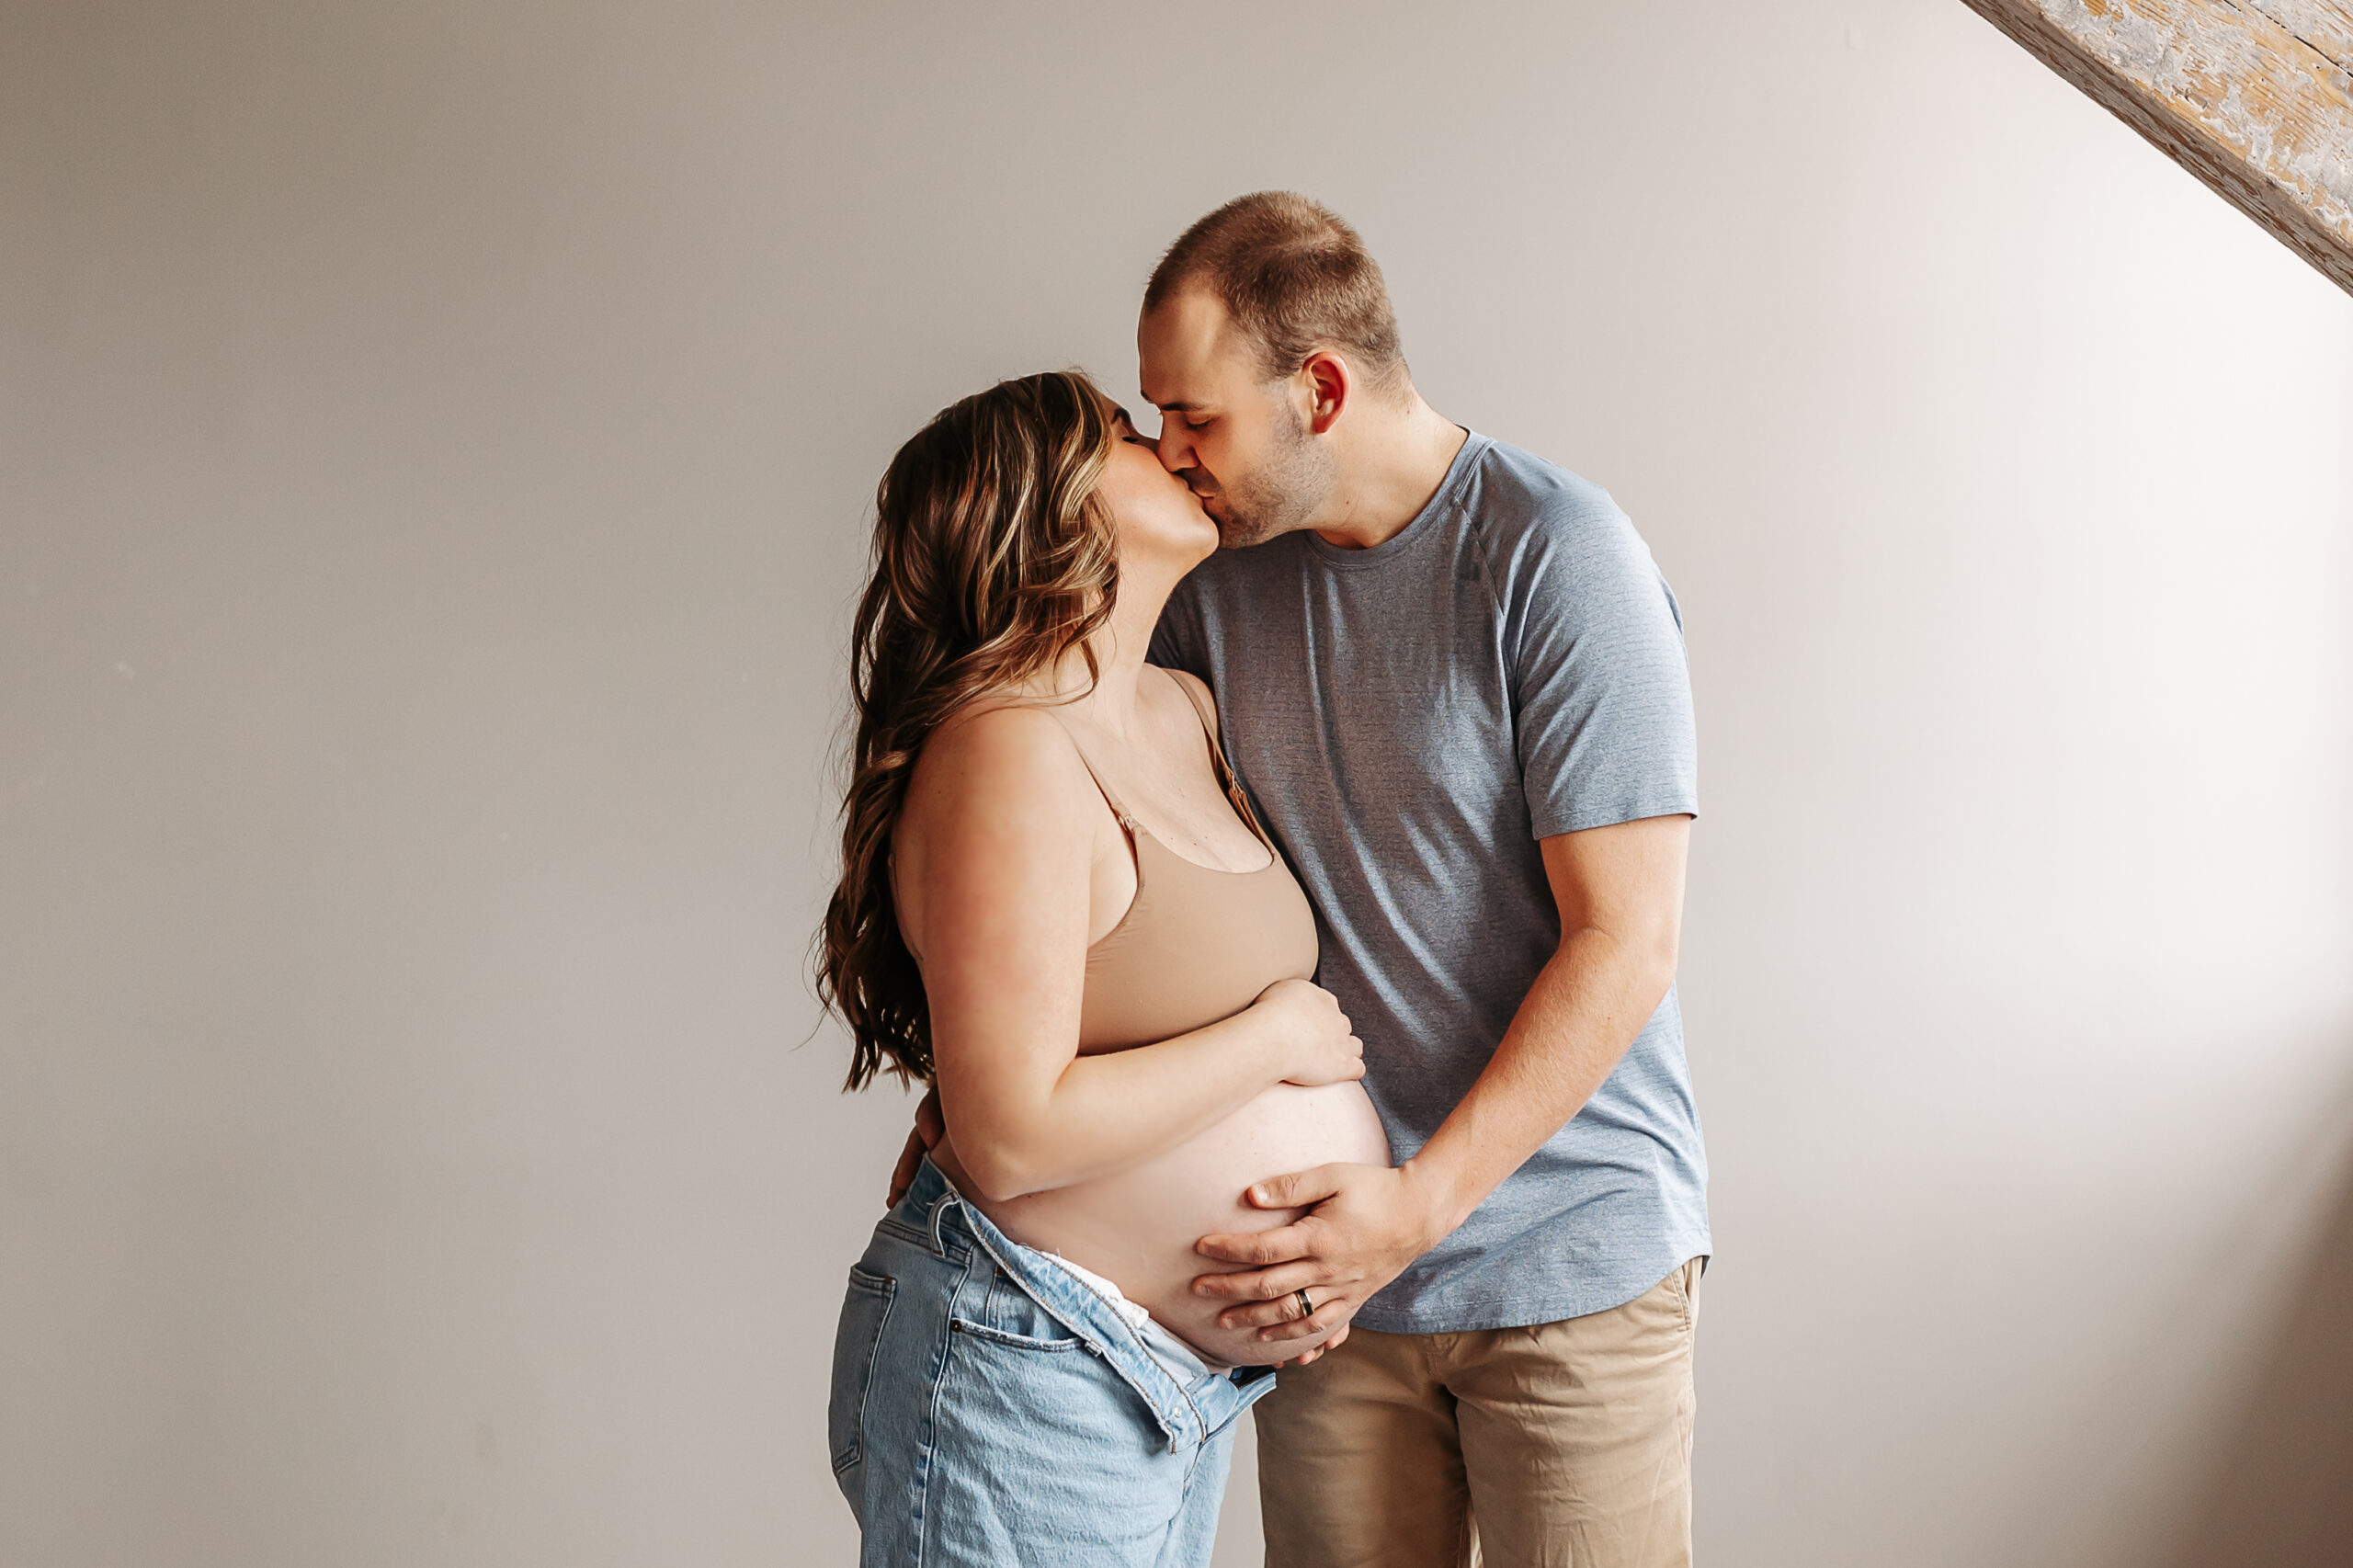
<point>1320,1046</point>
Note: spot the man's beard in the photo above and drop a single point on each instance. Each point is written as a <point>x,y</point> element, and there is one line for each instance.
<point>1282,495</point>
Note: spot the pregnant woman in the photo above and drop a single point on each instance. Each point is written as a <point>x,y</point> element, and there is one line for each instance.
<point>1057,908</point>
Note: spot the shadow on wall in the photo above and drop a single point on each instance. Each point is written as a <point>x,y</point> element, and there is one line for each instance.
<point>2283,1495</point>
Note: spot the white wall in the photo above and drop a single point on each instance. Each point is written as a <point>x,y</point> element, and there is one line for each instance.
<point>433,445</point>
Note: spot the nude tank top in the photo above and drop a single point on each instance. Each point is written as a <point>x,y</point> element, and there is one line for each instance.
<point>1198,944</point>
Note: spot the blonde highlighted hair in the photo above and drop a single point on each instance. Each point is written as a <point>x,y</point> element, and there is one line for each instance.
<point>993,560</point>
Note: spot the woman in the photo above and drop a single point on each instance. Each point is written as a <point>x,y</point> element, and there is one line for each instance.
<point>1056,907</point>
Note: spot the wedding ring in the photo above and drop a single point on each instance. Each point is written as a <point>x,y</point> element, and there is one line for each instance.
<point>1306,1307</point>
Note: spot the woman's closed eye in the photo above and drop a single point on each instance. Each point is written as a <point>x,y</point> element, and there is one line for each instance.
<point>1128,431</point>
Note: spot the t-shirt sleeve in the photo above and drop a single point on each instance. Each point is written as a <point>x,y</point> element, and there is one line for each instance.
<point>1603,707</point>
<point>1177,642</point>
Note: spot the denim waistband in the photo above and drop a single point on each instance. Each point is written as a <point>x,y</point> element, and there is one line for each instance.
<point>1186,1415</point>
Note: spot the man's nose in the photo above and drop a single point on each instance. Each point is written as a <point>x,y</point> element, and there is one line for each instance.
<point>1176,451</point>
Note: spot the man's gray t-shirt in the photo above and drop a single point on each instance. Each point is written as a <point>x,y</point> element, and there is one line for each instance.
<point>1411,719</point>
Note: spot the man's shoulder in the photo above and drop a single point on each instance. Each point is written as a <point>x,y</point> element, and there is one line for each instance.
<point>1526,508</point>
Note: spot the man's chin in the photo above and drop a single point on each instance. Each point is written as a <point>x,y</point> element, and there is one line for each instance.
<point>1241,533</point>
<point>1233,532</point>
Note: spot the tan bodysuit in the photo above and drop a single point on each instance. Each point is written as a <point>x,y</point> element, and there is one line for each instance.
<point>1198,944</point>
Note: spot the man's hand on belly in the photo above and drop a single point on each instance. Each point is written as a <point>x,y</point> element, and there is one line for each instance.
<point>1619,889</point>
<point>1364,1224</point>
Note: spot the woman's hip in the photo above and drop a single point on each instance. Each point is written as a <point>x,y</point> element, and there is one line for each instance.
<point>985,1410</point>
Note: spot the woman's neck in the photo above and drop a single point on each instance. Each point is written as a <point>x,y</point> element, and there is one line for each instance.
<point>1120,646</point>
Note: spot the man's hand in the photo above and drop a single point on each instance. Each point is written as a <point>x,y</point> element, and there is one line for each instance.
<point>1619,890</point>
<point>1364,1224</point>
<point>1305,1356</point>
<point>929,1131</point>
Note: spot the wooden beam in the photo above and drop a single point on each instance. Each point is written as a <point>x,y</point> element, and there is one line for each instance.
<point>2253,96</point>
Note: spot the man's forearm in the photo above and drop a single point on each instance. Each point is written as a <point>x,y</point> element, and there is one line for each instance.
<point>1619,891</point>
<point>1587,1004</point>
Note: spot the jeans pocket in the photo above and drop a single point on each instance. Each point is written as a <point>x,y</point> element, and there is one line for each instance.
<point>865,1309</point>
<point>1013,1341</point>
<point>1006,1314</point>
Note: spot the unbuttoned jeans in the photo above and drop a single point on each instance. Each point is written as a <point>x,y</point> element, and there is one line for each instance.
<point>990,1409</point>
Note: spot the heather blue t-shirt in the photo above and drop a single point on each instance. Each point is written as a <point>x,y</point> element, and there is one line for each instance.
<point>1411,719</point>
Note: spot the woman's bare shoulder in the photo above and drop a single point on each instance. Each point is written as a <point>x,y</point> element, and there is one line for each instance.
<point>1003,760</point>
<point>1006,731</point>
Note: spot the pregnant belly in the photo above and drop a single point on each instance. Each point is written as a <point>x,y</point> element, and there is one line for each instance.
<point>1137,1228</point>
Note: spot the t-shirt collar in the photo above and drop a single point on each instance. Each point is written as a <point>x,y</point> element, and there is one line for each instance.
<point>1449,492</point>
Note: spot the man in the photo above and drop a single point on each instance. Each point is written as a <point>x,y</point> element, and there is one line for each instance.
<point>1454,682</point>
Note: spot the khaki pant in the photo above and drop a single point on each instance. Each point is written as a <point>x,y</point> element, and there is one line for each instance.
<point>1566,1445</point>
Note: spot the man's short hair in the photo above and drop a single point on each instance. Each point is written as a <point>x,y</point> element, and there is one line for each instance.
<point>1294,277</point>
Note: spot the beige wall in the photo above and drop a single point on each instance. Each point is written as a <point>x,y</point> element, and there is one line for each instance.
<point>433,443</point>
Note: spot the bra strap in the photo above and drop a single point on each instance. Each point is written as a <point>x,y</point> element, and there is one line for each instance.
<point>1236,795</point>
<point>1126,822</point>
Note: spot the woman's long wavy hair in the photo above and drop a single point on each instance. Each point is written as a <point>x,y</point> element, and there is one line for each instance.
<point>993,560</point>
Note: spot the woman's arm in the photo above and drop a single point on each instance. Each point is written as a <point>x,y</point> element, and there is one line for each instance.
<point>998,849</point>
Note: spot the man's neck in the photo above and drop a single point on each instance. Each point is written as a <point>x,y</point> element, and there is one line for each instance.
<point>1393,464</point>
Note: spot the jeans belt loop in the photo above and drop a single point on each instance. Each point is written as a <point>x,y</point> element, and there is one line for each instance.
<point>940,1208</point>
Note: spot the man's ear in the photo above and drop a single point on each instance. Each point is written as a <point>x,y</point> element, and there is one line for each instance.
<point>1330,384</point>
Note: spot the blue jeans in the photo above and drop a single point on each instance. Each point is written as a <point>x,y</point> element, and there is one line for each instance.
<point>990,1409</point>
